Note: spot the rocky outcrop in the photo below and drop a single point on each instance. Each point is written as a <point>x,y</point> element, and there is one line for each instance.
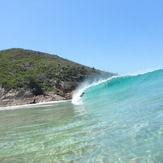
<point>19,97</point>
<point>31,96</point>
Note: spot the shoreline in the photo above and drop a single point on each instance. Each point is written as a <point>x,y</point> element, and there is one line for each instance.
<point>26,106</point>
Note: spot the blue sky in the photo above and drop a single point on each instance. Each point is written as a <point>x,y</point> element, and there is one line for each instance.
<point>121,36</point>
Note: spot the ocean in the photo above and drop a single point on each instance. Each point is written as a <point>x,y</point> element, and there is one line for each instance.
<point>118,120</point>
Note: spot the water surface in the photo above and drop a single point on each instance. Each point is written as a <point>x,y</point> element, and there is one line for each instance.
<point>119,120</point>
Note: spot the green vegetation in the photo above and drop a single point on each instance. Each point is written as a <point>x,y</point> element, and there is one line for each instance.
<point>29,69</point>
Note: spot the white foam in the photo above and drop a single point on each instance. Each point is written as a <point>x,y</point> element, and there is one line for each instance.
<point>76,99</point>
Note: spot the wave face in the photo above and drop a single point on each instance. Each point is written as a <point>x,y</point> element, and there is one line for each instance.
<point>133,107</point>
<point>125,91</point>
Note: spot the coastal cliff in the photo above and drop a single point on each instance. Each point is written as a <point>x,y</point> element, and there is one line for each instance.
<point>28,77</point>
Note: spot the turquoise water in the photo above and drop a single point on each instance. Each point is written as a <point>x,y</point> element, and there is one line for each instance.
<point>116,121</point>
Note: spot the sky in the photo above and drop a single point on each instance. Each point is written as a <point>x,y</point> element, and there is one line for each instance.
<point>119,36</point>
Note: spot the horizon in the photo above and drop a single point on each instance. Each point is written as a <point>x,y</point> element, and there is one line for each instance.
<point>119,37</point>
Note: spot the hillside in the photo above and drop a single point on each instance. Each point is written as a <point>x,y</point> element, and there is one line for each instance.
<point>38,73</point>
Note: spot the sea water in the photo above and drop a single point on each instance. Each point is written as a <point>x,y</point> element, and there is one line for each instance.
<point>119,120</point>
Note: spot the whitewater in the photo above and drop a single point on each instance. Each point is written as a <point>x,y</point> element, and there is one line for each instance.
<point>118,120</point>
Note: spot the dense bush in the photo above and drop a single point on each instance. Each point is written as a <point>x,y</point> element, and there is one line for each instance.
<point>38,71</point>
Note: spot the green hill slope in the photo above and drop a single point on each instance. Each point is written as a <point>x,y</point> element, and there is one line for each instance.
<point>40,72</point>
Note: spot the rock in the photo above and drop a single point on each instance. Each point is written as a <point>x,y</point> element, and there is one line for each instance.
<point>66,86</point>
<point>15,97</point>
<point>19,97</point>
<point>2,91</point>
